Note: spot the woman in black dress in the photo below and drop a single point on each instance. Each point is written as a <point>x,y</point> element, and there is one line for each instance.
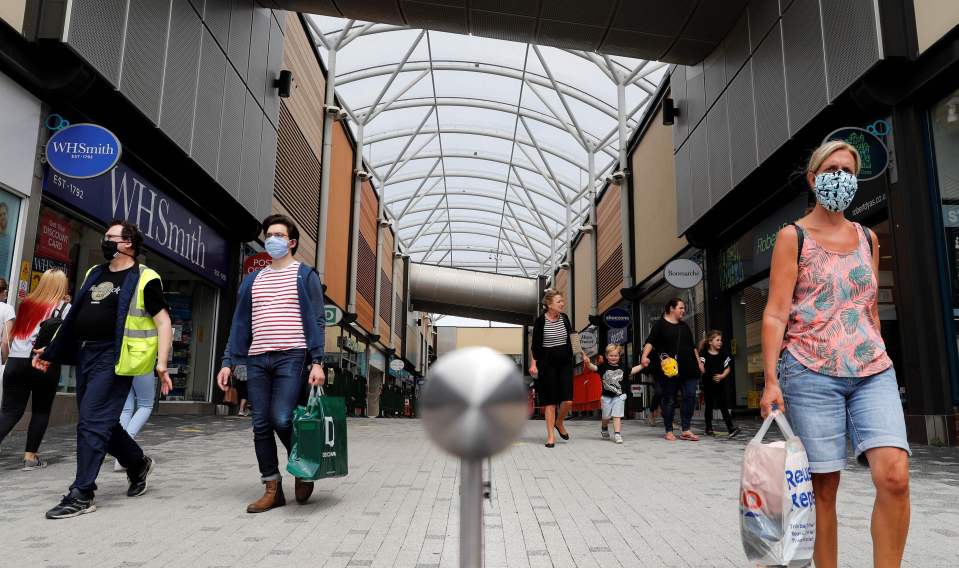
<point>671,337</point>
<point>552,364</point>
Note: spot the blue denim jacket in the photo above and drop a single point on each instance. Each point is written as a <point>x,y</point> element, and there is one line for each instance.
<point>310,291</point>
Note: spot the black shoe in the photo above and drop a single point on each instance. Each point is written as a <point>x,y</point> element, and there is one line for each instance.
<point>72,505</point>
<point>561,435</point>
<point>735,432</point>
<point>548,445</point>
<point>138,480</point>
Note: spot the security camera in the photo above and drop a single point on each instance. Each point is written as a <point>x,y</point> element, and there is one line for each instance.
<point>386,222</point>
<point>586,229</point>
<point>284,84</point>
<point>363,175</point>
<point>332,109</point>
<point>618,177</point>
<point>564,265</point>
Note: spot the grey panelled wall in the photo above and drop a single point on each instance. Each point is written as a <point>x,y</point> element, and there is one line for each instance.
<point>780,65</point>
<point>201,70</point>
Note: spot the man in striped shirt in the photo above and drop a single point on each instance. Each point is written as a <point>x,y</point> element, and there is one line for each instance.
<point>278,332</point>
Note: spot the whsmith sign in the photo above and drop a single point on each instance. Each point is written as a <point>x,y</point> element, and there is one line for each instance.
<point>168,228</point>
<point>83,151</point>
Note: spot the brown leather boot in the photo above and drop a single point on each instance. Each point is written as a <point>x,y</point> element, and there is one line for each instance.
<point>303,489</point>
<point>272,498</point>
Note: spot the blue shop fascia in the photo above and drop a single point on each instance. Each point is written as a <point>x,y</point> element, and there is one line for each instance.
<point>195,260</point>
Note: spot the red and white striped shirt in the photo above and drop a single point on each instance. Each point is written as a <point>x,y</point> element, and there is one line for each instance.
<point>277,325</point>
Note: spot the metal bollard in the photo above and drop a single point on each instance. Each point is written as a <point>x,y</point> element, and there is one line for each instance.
<point>474,406</point>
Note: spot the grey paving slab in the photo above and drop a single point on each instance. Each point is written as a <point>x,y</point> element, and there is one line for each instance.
<point>586,503</point>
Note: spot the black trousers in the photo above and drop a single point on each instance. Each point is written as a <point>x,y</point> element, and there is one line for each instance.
<point>715,397</point>
<point>20,380</point>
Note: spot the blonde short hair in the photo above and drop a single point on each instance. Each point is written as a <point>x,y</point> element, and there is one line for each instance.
<point>829,148</point>
<point>550,295</point>
<point>614,347</point>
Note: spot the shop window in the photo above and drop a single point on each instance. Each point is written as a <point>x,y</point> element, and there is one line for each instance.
<point>945,133</point>
<point>9,219</point>
<point>745,346</point>
<point>72,244</point>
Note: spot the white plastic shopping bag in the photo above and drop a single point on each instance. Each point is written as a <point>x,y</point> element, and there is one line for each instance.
<point>777,507</point>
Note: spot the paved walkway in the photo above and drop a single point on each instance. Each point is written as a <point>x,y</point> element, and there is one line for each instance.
<point>585,503</point>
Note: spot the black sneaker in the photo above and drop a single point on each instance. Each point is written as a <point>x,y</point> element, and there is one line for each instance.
<point>72,505</point>
<point>138,479</point>
<point>735,432</point>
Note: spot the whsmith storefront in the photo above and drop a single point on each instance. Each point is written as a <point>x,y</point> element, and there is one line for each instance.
<point>193,259</point>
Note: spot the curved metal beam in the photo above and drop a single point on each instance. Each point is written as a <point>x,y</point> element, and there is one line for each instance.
<point>559,223</point>
<point>541,234</point>
<point>494,159</point>
<point>477,175</point>
<point>486,69</point>
<point>478,195</point>
<point>394,134</point>
<point>480,104</point>
<point>487,234</point>
<point>468,248</point>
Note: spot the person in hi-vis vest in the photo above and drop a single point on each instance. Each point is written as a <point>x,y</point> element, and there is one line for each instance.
<point>118,329</point>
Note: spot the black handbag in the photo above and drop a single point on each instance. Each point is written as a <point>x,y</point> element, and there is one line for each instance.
<point>49,328</point>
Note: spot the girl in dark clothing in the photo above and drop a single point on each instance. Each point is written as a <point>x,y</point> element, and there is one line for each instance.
<point>20,379</point>
<point>552,364</point>
<point>718,367</point>
<point>672,338</point>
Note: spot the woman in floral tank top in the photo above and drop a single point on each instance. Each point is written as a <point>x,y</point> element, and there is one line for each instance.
<point>825,361</point>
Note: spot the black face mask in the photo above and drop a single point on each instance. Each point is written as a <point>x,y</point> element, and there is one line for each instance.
<point>109,249</point>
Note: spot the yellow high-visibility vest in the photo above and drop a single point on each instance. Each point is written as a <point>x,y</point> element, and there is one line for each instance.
<point>141,341</point>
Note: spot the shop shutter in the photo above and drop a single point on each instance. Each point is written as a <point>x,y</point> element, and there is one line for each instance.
<point>386,296</point>
<point>297,185</point>
<point>366,272</point>
<point>610,273</point>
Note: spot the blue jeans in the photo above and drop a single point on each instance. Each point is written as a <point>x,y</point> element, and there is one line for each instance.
<point>275,382</point>
<point>823,411</point>
<point>139,405</point>
<point>100,397</point>
<point>670,388</point>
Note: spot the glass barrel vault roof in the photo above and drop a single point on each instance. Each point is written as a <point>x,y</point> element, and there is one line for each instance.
<point>480,147</point>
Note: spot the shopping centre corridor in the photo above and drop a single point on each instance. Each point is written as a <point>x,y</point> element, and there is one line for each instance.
<point>586,503</point>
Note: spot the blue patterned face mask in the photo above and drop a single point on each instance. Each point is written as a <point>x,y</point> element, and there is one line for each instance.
<point>835,190</point>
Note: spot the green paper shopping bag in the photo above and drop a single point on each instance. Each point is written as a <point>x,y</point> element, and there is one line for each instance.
<point>319,438</point>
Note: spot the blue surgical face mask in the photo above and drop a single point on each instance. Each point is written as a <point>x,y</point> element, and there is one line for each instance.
<point>836,190</point>
<point>277,247</point>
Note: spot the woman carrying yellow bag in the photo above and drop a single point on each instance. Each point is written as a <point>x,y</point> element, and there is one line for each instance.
<point>678,366</point>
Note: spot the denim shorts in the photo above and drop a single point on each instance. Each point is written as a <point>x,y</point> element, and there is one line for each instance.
<point>614,406</point>
<point>823,411</point>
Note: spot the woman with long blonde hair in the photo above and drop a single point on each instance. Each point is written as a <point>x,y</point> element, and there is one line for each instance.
<point>20,379</point>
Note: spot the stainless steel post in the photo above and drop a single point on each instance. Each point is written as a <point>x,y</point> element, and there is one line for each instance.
<point>471,513</point>
<point>474,406</point>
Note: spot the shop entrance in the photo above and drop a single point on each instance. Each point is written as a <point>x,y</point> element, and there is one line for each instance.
<point>193,301</point>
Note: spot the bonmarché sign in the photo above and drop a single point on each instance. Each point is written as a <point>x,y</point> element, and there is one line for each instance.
<point>683,273</point>
<point>167,227</point>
